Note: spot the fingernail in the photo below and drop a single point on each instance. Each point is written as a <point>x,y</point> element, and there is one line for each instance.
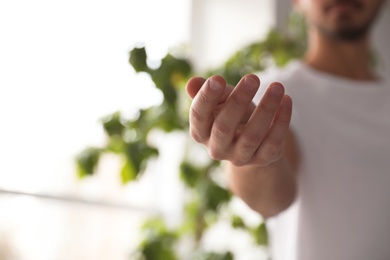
<point>286,102</point>
<point>250,83</point>
<point>276,90</point>
<point>214,84</point>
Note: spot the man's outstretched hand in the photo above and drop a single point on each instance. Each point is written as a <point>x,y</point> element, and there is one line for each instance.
<point>232,127</point>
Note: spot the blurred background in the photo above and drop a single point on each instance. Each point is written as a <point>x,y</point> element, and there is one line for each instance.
<point>71,106</point>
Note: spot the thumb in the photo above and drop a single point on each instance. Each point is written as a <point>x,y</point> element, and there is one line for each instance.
<point>193,86</point>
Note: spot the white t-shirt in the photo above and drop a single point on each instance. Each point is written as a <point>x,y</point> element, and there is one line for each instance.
<point>342,128</point>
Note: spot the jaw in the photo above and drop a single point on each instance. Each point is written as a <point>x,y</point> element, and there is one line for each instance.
<point>348,20</point>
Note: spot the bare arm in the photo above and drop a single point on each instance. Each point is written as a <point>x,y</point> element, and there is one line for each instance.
<point>253,140</point>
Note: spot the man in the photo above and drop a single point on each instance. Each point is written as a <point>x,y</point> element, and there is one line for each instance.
<point>329,156</point>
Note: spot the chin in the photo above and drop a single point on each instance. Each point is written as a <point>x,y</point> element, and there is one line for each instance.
<point>344,33</point>
<point>349,35</point>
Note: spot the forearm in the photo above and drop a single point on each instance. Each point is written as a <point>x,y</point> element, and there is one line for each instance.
<point>268,190</point>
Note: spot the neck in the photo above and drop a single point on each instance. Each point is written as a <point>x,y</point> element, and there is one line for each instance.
<point>345,59</point>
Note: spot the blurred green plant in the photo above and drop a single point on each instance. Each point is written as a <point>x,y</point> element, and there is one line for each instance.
<point>128,138</point>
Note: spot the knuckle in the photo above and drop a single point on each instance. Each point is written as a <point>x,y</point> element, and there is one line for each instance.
<point>216,154</point>
<point>248,148</point>
<point>221,129</point>
<point>196,116</point>
<point>266,108</point>
<point>238,100</point>
<point>239,162</point>
<point>196,136</point>
<point>251,140</point>
<point>269,153</point>
<point>272,150</point>
<point>249,144</point>
<point>282,121</point>
<point>203,98</point>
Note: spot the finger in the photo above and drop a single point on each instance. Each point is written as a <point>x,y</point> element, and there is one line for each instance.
<point>259,123</point>
<point>230,115</point>
<point>226,93</point>
<point>270,149</point>
<point>193,86</point>
<point>203,108</point>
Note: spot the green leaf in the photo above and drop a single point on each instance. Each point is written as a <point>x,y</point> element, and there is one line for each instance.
<point>215,196</point>
<point>115,144</point>
<point>166,118</point>
<point>213,256</point>
<point>169,75</point>
<point>260,234</point>
<point>112,124</point>
<point>138,153</point>
<point>170,93</point>
<point>158,243</point>
<point>157,250</point>
<point>160,248</point>
<point>191,211</point>
<point>237,222</point>
<point>189,174</point>
<point>145,121</point>
<point>128,172</point>
<point>138,59</point>
<point>87,161</point>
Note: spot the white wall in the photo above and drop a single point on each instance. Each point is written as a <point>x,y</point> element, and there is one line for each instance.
<point>282,11</point>
<point>64,65</point>
<point>220,27</point>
